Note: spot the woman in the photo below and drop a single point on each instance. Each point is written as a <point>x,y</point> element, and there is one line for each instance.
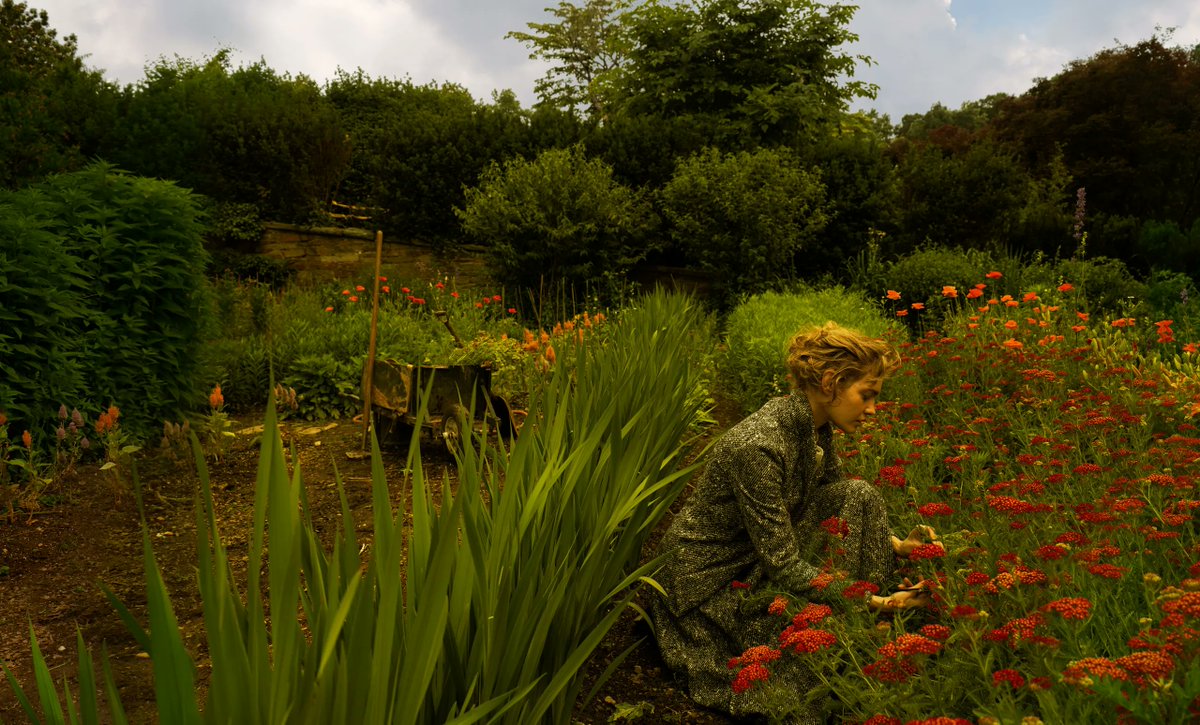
<point>757,510</point>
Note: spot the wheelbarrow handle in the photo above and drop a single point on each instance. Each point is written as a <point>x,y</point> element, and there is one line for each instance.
<point>445,318</point>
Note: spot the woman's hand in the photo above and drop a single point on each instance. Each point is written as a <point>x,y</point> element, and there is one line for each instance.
<point>907,596</point>
<point>920,535</point>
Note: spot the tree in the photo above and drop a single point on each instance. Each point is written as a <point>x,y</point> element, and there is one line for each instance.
<point>558,218</point>
<point>1127,122</point>
<point>764,72</point>
<point>589,45</point>
<point>246,136</point>
<point>53,111</point>
<point>416,147</point>
<point>745,216</point>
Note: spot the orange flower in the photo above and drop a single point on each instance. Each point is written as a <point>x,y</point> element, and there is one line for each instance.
<point>27,439</point>
<point>976,292</point>
<point>215,399</point>
<point>1077,328</point>
<point>3,419</point>
<point>918,305</point>
<point>901,313</point>
<point>893,294</point>
<point>550,357</point>
<point>1082,315</point>
<point>1011,324</point>
<point>949,291</point>
<point>1013,344</point>
<point>1065,287</point>
<point>993,275</point>
<point>1189,348</point>
<point>1030,297</point>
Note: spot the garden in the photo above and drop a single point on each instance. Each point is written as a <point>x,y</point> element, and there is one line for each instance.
<point>1046,430</point>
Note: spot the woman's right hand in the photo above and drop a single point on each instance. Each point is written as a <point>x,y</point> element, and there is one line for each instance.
<point>922,534</point>
<point>904,599</point>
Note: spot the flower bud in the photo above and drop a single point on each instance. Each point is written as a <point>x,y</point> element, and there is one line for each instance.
<point>61,433</point>
<point>62,412</point>
<point>1151,578</point>
<point>85,443</point>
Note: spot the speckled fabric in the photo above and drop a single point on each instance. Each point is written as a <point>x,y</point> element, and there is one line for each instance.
<point>755,517</point>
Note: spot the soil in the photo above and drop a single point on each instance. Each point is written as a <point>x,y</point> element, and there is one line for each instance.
<point>54,560</point>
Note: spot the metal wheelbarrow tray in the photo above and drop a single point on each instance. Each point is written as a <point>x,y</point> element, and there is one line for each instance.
<point>458,399</point>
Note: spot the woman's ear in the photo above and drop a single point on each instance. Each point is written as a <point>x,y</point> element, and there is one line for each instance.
<point>828,384</point>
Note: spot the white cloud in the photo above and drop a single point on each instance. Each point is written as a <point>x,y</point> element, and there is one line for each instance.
<point>953,21</point>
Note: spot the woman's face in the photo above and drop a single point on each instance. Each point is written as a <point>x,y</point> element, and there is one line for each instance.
<point>853,403</point>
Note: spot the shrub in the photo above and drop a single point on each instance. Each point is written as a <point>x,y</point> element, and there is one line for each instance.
<point>105,284</point>
<point>1107,283</point>
<point>42,310</point>
<point>138,245</point>
<point>757,331</point>
<point>744,215</point>
<point>561,216</point>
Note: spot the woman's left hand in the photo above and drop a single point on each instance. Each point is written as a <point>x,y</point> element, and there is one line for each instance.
<point>922,534</point>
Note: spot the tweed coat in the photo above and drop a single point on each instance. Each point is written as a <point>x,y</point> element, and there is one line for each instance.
<point>754,516</point>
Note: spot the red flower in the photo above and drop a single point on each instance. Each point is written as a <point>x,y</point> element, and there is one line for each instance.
<point>927,551</point>
<point>495,298</point>
<point>1065,287</point>
<point>893,294</point>
<point>386,289</point>
<point>1108,571</point>
<point>1011,677</point>
<point>778,605</point>
<point>360,288</point>
<point>1076,608</point>
<point>993,275</point>
<point>860,589</point>
<point>27,439</point>
<point>915,644</point>
<point>806,641</point>
<point>810,615</point>
<point>940,632</point>
<point>405,290</point>
<point>949,291</point>
<point>748,676</point>
<point>836,527</point>
<point>935,509</point>
<point>738,585</point>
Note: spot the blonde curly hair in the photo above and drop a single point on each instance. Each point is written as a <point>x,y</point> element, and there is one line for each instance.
<point>848,354</point>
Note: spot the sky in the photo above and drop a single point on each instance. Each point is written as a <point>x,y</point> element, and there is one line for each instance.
<point>924,51</point>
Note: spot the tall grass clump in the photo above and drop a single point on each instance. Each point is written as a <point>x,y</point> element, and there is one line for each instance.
<point>483,605</point>
<point>753,368</point>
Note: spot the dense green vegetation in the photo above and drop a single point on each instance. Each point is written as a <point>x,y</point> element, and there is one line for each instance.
<point>1109,146</point>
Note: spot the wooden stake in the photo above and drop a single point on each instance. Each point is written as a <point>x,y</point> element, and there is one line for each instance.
<point>369,374</point>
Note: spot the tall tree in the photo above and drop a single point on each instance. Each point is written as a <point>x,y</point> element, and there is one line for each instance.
<point>588,44</point>
<point>1127,121</point>
<point>53,110</point>
<point>750,71</point>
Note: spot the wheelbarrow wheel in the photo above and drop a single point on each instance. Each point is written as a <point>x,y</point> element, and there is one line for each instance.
<point>454,427</point>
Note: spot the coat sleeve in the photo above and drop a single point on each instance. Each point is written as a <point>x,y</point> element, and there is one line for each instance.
<point>757,483</point>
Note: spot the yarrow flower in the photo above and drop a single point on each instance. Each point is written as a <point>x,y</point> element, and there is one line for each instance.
<point>806,641</point>
<point>935,509</point>
<point>748,675</point>
<point>1076,608</point>
<point>927,551</point>
<point>779,605</point>
<point>1009,677</point>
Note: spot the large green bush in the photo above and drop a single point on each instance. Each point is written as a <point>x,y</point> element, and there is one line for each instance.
<point>757,332</point>
<point>561,217</point>
<point>745,216</point>
<point>141,264</point>
<point>42,310</point>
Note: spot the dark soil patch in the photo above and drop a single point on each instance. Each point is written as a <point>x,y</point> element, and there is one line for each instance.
<point>52,563</point>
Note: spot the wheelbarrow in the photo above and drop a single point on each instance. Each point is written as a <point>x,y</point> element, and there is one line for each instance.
<point>458,400</point>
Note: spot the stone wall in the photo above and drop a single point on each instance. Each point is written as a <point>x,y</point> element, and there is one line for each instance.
<point>320,253</point>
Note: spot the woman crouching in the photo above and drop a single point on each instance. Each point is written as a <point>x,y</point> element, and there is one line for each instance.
<point>755,517</point>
